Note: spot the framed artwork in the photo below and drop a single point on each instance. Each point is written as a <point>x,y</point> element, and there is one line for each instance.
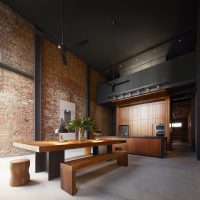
<point>67,113</point>
<point>123,130</point>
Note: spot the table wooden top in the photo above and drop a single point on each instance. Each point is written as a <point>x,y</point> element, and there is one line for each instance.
<point>45,146</point>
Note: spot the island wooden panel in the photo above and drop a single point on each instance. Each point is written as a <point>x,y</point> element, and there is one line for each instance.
<point>147,146</point>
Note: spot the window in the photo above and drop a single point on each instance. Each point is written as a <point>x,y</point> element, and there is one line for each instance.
<point>175,125</point>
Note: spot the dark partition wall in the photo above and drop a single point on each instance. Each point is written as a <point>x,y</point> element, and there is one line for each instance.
<point>198,87</point>
<point>175,71</point>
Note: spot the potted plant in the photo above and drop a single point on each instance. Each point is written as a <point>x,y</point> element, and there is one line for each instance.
<point>83,124</point>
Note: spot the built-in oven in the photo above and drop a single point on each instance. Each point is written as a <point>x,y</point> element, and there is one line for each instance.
<point>159,129</point>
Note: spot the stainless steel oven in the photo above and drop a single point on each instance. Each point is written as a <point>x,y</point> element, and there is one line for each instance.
<point>159,129</point>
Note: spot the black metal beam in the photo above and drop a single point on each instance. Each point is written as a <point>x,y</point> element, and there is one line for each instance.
<point>113,120</point>
<point>198,86</point>
<point>88,91</point>
<point>15,70</point>
<point>193,121</point>
<point>37,87</point>
<point>88,95</point>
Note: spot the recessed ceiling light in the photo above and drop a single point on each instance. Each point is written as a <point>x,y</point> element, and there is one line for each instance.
<point>120,66</point>
<point>179,40</point>
<point>107,70</point>
<point>154,50</point>
<point>136,59</point>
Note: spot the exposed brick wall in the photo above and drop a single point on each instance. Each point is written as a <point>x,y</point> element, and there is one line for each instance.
<point>101,114</point>
<point>16,40</point>
<point>16,92</point>
<point>16,107</point>
<point>58,82</point>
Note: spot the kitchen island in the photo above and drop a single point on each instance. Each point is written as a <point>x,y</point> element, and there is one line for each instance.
<point>146,146</point>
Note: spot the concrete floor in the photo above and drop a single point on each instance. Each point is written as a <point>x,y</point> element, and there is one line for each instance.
<point>176,177</point>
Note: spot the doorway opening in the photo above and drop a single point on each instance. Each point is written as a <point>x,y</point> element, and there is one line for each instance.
<point>182,118</point>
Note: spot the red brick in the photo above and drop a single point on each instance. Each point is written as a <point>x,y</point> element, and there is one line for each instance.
<point>58,82</point>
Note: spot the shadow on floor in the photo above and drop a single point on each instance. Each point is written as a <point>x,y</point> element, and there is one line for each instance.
<point>93,173</point>
<point>179,154</point>
<point>97,172</point>
<point>33,182</point>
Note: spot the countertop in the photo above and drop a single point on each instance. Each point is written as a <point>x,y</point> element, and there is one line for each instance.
<point>145,137</point>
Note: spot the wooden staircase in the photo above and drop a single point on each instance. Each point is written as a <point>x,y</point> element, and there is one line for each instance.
<point>181,136</point>
<point>181,146</point>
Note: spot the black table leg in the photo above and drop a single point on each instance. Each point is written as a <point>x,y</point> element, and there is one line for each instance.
<point>40,162</point>
<point>49,162</point>
<point>95,150</point>
<point>109,148</point>
<point>54,158</point>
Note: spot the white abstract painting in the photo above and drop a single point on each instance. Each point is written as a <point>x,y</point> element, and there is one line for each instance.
<point>67,113</point>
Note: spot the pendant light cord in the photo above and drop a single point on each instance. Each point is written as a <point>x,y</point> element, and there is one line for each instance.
<point>62,22</point>
<point>114,47</point>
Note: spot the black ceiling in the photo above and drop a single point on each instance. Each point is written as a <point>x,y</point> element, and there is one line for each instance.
<point>140,24</point>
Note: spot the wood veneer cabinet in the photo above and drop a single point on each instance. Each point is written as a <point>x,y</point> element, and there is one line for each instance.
<point>142,113</point>
<point>147,146</point>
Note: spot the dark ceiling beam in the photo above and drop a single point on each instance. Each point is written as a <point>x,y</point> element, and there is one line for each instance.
<point>154,46</point>
<point>15,70</point>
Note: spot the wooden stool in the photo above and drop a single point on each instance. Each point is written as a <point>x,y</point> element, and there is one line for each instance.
<point>19,172</point>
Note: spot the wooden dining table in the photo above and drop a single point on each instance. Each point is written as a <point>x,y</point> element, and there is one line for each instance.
<point>49,154</point>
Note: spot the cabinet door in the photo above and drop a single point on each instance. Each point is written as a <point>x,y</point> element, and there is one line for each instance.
<point>144,112</point>
<point>125,145</point>
<point>144,127</point>
<point>135,113</point>
<point>135,128</point>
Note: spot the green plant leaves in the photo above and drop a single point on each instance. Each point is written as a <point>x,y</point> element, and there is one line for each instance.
<point>85,123</point>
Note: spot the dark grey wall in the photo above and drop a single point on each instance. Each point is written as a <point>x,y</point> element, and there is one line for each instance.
<point>198,86</point>
<point>174,71</point>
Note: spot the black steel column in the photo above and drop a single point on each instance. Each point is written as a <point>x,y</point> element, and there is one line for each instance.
<point>37,87</point>
<point>88,95</point>
<point>193,121</point>
<point>113,120</point>
<point>198,86</point>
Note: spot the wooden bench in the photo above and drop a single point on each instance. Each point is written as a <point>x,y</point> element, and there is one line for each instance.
<point>68,169</point>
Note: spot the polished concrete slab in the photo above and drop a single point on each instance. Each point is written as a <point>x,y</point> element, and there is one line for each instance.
<point>176,177</point>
